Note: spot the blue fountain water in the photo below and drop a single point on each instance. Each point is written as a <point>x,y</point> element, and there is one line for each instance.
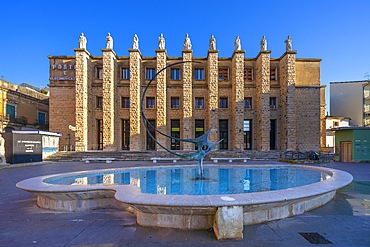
<point>218,180</point>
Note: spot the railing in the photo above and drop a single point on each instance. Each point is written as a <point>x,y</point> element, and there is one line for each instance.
<point>309,155</point>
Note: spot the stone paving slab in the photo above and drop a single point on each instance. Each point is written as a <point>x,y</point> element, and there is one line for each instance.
<point>22,223</point>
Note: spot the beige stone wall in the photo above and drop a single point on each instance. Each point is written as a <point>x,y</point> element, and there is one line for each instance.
<point>162,98</point>
<point>211,107</point>
<point>237,101</point>
<point>262,101</point>
<point>308,118</point>
<point>135,98</point>
<point>187,90</point>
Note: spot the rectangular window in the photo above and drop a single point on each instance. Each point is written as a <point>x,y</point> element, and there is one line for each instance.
<point>223,131</point>
<point>273,134</point>
<point>10,112</point>
<point>150,102</point>
<point>99,102</point>
<point>273,103</point>
<point>223,74</point>
<point>175,102</point>
<point>248,74</point>
<point>248,102</point>
<point>247,134</point>
<point>99,72</point>
<point>199,103</point>
<point>199,129</point>
<point>125,73</point>
<point>273,75</point>
<point>150,73</point>
<point>125,102</point>
<point>175,132</point>
<point>41,118</point>
<point>175,74</point>
<point>223,102</point>
<point>125,134</point>
<point>199,74</point>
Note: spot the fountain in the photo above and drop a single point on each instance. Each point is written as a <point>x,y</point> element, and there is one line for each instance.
<point>224,198</point>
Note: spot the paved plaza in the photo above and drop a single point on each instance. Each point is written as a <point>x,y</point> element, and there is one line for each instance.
<point>344,221</point>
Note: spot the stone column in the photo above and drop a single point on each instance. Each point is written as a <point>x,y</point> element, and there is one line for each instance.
<point>135,101</point>
<point>262,124</point>
<point>82,64</point>
<point>237,102</point>
<point>212,106</point>
<point>109,64</point>
<point>161,98</point>
<point>187,89</point>
<point>287,102</point>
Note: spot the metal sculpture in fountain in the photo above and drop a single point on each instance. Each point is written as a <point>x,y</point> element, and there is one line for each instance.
<point>202,142</point>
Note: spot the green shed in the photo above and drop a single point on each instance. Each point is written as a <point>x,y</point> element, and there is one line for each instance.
<point>352,144</point>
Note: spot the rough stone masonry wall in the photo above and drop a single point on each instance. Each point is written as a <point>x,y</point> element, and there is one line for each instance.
<point>263,102</point>
<point>288,102</point>
<point>135,97</point>
<point>108,100</point>
<point>212,106</point>
<point>161,98</point>
<point>82,57</point>
<point>308,118</point>
<point>187,122</point>
<point>237,136</point>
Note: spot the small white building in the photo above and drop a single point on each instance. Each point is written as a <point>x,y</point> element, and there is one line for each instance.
<point>331,124</point>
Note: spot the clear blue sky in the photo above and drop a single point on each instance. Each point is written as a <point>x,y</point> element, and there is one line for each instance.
<point>335,30</point>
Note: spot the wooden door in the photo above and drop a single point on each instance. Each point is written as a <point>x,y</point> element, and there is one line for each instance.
<point>346,151</point>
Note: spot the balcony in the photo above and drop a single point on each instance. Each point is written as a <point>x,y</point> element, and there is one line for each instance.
<point>367,108</point>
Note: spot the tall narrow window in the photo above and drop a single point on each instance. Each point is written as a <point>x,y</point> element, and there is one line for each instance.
<point>99,128</point>
<point>223,102</point>
<point>150,102</point>
<point>223,131</point>
<point>199,74</point>
<point>273,134</point>
<point>125,73</point>
<point>175,102</point>
<point>199,129</point>
<point>223,74</point>
<point>150,73</point>
<point>175,74</point>
<point>199,103</point>
<point>125,134</point>
<point>175,132</point>
<point>99,102</point>
<point>248,102</point>
<point>10,111</point>
<point>247,134</point>
<point>41,118</point>
<point>273,76</point>
<point>99,72</point>
<point>248,74</point>
<point>125,102</point>
<point>273,103</point>
<point>150,143</point>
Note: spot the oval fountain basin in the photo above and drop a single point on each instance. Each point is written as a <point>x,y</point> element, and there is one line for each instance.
<point>172,197</point>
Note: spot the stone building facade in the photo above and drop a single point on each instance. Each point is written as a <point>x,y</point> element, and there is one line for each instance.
<point>259,103</point>
<point>22,108</point>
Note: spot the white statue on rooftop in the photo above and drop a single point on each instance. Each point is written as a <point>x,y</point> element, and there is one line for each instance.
<point>263,44</point>
<point>288,43</point>
<point>237,44</point>
<point>82,41</point>
<point>212,43</point>
<point>135,42</point>
<point>187,43</point>
<point>109,42</point>
<point>161,42</point>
